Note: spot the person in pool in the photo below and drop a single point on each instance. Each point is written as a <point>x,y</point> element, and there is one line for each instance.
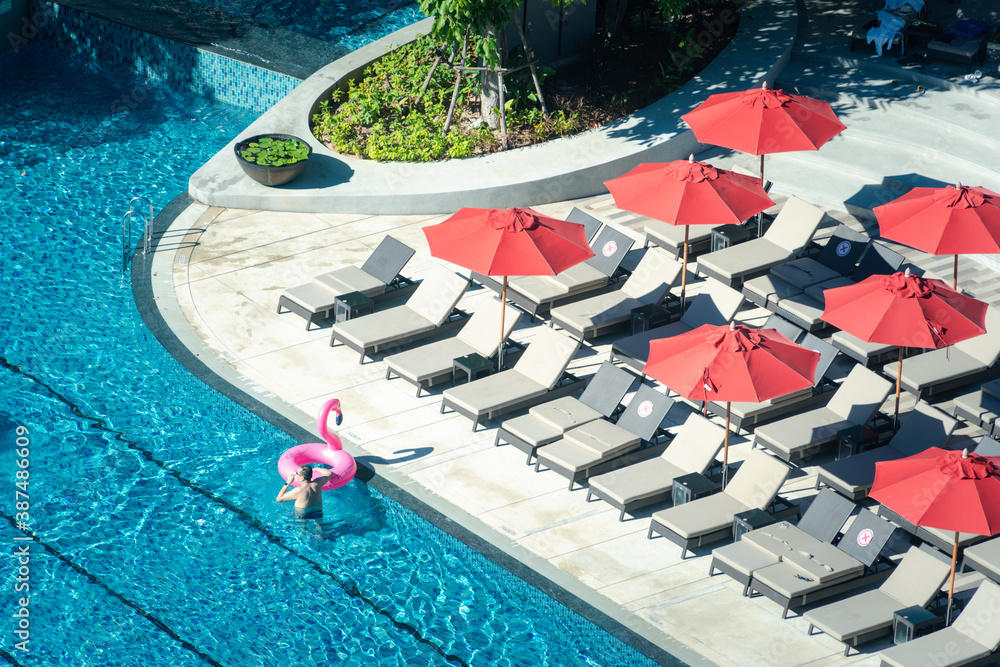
<point>308,496</point>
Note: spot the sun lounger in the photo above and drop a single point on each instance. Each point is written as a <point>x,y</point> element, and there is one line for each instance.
<point>539,375</point>
<point>837,259</point>
<point>648,284</point>
<point>432,363</point>
<point>428,311</point>
<point>854,403</point>
<point>817,571</point>
<point>536,295</point>
<point>710,519</point>
<point>380,272</point>
<point>860,618</point>
<point>715,304</point>
<point>942,540</point>
<point>750,415</point>
<point>693,449</point>
<point>596,446</point>
<point>921,428</point>
<point>963,43</point>
<point>987,446</point>
<point>981,407</point>
<point>972,639</point>
<point>765,546</point>
<point>984,558</point>
<point>547,422</point>
<point>953,366</point>
<point>788,235</point>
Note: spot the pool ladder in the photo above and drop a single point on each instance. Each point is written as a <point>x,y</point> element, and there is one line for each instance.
<point>147,229</point>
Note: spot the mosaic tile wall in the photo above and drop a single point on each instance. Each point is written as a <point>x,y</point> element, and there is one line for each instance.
<point>160,60</point>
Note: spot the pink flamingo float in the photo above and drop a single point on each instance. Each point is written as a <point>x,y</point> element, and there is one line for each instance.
<point>342,465</point>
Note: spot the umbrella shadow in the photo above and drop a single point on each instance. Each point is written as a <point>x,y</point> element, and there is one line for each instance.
<point>869,196</point>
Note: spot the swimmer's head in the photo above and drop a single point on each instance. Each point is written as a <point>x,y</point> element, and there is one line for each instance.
<point>306,472</point>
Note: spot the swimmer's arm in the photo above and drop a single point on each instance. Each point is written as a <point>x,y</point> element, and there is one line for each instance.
<point>286,494</point>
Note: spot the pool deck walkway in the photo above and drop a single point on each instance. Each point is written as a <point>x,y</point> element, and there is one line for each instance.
<point>216,277</point>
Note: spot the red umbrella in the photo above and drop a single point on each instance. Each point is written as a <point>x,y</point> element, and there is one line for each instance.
<point>685,192</point>
<point>904,310</point>
<point>944,221</point>
<point>731,362</point>
<point>763,120</point>
<point>508,242</point>
<point>943,489</point>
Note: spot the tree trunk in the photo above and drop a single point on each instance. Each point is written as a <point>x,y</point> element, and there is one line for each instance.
<point>489,85</point>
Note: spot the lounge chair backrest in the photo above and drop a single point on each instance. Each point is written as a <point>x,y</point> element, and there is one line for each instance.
<point>696,444</point>
<point>387,260</point>
<point>844,249</point>
<point>865,538</point>
<point>758,480</point>
<point>437,296</point>
<point>917,578</point>
<point>795,225</point>
<point>715,304</point>
<point>652,277</point>
<point>860,395</point>
<point>987,446</point>
<point>980,620</point>
<point>984,348</point>
<point>923,427</point>
<point>482,331</point>
<point>878,260</point>
<point>610,247</point>
<point>783,326</point>
<point>607,388</point>
<point>827,353</point>
<point>645,412</point>
<point>590,224</point>
<point>826,515</point>
<point>547,356</point>
<point>746,172</point>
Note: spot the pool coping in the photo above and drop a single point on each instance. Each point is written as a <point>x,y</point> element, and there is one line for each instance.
<point>563,169</point>
<point>154,294</point>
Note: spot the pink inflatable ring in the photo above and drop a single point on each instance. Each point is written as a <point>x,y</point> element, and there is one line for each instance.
<point>330,453</point>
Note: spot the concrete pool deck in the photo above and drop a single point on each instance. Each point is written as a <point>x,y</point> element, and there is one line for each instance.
<point>216,275</point>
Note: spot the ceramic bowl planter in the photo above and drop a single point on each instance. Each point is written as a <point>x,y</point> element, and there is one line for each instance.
<point>272,159</point>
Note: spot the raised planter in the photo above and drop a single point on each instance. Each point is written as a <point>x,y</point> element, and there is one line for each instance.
<point>275,166</point>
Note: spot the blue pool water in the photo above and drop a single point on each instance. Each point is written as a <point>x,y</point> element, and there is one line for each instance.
<point>349,24</point>
<point>152,496</point>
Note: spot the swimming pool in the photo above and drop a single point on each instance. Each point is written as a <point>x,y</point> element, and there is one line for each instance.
<point>158,538</point>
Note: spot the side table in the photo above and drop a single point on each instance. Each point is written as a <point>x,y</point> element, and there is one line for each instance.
<point>725,236</point>
<point>351,305</point>
<point>470,367</point>
<point>649,317</point>
<point>912,622</point>
<point>744,522</point>
<point>853,439</point>
<point>691,486</point>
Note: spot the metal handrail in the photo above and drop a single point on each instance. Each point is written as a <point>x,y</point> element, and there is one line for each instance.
<point>147,229</point>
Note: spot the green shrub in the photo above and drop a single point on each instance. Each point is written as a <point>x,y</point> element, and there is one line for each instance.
<point>383,116</point>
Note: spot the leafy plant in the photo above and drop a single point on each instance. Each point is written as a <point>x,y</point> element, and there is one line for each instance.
<point>275,152</point>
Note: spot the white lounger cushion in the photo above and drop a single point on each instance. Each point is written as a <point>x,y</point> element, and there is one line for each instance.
<point>479,335</point>
<point>915,581</point>
<point>536,372</point>
<point>350,279</point>
<point>426,309</point>
<point>577,278</point>
<point>974,634</point>
<point>692,450</point>
<point>672,236</point>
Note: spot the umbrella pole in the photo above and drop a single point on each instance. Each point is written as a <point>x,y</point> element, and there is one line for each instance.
<point>954,276</point>
<point>899,380</point>
<point>760,216</point>
<point>503,312</point>
<point>951,581</point>
<point>725,448</point>
<point>684,270</point>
